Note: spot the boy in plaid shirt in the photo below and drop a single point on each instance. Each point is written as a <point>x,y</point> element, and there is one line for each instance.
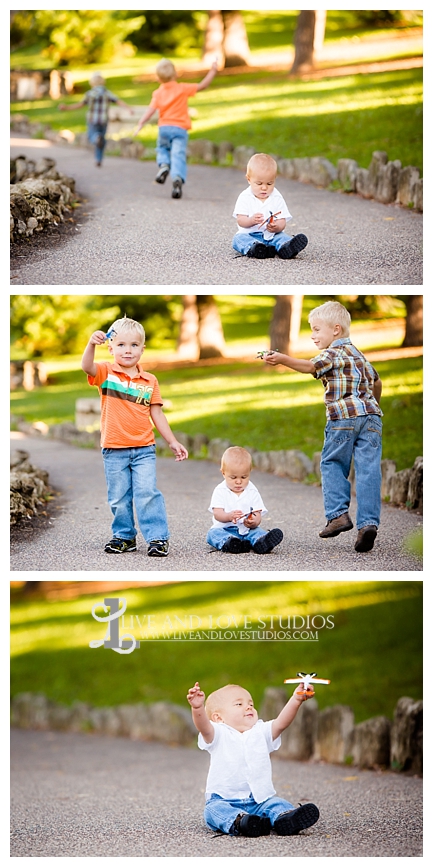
<point>354,423</point>
<point>98,100</point>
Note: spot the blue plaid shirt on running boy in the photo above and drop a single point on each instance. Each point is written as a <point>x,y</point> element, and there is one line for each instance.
<point>98,99</point>
<point>348,380</point>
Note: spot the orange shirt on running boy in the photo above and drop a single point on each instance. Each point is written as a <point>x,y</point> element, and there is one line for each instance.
<point>125,406</point>
<point>171,100</point>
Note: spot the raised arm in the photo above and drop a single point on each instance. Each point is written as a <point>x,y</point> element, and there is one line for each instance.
<point>205,82</point>
<point>200,718</point>
<point>88,359</point>
<point>289,712</point>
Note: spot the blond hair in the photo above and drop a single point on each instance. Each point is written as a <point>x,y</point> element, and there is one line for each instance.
<point>333,313</point>
<point>236,456</point>
<point>125,326</point>
<point>165,70</point>
<point>96,78</point>
<point>261,161</point>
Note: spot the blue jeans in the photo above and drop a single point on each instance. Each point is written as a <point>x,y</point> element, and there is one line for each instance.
<point>243,241</point>
<point>360,438</point>
<point>217,536</point>
<point>171,150</point>
<point>219,814</point>
<point>131,480</point>
<point>94,130</point>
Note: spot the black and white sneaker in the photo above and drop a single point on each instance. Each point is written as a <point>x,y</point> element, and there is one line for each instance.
<point>162,174</point>
<point>158,548</point>
<point>297,820</point>
<point>293,247</point>
<point>120,546</point>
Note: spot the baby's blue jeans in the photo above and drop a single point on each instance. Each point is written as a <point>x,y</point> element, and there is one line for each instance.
<point>243,241</point>
<point>219,813</point>
<point>218,535</point>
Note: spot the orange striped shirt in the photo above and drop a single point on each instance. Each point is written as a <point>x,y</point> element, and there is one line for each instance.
<point>125,406</point>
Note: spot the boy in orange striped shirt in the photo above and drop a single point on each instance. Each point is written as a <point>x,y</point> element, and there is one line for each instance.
<point>130,403</point>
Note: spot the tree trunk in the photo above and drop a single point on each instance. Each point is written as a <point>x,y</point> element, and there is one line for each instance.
<point>414,321</point>
<point>187,343</point>
<point>236,47</point>
<point>286,320</point>
<point>210,331</point>
<point>213,40</point>
<point>304,42</point>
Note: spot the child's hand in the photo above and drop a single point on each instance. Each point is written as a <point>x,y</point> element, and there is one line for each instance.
<point>257,219</point>
<point>196,696</point>
<point>179,451</point>
<point>235,515</point>
<point>302,694</point>
<point>97,338</point>
<point>272,357</point>
<point>253,520</point>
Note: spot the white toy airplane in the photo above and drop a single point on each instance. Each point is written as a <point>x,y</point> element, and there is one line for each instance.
<point>306,679</point>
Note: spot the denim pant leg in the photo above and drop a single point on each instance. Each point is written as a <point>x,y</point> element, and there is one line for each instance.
<point>217,536</point>
<point>279,239</point>
<point>171,150</point>
<point>149,502</point>
<point>94,130</point>
<point>243,241</point>
<point>367,458</point>
<point>219,813</point>
<point>118,476</point>
<point>335,466</point>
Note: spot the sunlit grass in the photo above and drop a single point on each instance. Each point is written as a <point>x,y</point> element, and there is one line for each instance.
<point>372,650</point>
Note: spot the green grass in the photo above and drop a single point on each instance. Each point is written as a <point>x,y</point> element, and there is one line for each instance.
<point>373,655</point>
<point>345,117</point>
<point>252,406</point>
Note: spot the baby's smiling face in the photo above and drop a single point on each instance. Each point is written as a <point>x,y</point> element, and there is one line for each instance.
<point>236,709</point>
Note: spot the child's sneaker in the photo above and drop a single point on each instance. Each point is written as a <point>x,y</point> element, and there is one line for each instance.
<point>296,820</point>
<point>236,546</point>
<point>176,192</point>
<point>266,543</point>
<point>261,251</point>
<point>120,546</point>
<point>162,174</point>
<point>158,548</point>
<point>251,826</point>
<point>293,247</point>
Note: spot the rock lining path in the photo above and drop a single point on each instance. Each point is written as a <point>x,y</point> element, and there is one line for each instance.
<point>132,232</point>
<point>80,524</point>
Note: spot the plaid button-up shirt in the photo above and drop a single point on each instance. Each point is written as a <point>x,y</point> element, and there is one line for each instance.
<point>98,99</point>
<point>348,380</point>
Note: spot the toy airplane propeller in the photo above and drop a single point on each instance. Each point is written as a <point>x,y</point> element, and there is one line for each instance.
<point>306,679</point>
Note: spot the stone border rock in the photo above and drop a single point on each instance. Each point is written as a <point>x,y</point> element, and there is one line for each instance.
<point>329,735</point>
<point>39,196</point>
<point>29,489</point>
<point>384,181</point>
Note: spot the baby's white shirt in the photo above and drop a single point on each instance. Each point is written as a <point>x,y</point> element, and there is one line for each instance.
<point>240,764</point>
<point>249,501</point>
<point>248,204</point>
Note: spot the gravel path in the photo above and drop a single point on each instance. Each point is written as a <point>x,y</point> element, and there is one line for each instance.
<point>135,233</point>
<point>80,523</point>
<point>82,795</point>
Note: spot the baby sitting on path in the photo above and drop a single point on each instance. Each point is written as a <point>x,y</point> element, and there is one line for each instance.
<point>240,796</point>
<point>237,509</point>
<point>262,214</point>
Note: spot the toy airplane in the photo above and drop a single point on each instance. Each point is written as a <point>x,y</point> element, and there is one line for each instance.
<point>306,679</point>
<point>268,219</point>
<point>264,352</point>
<point>110,333</point>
